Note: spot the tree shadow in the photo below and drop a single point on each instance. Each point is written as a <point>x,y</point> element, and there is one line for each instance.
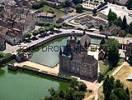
<point>2,72</point>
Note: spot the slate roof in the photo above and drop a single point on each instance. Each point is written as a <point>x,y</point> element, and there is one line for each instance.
<point>84,39</point>
<point>77,52</point>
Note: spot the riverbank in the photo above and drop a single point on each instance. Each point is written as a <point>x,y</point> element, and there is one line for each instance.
<point>39,70</point>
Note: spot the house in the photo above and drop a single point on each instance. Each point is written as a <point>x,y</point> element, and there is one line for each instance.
<point>3,31</point>
<point>17,17</point>
<point>13,36</point>
<point>43,17</point>
<point>20,3</point>
<point>18,21</point>
<point>75,60</point>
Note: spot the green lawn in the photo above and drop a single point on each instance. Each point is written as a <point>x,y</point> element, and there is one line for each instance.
<point>4,55</point>
<point>129,35</point>
<point>104,67</point>
<point>58,12</point>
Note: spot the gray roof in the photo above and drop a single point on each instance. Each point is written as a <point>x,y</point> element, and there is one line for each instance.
<point>85,38</point>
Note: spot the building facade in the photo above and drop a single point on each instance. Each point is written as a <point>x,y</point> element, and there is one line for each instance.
<point>75,60</point>
<point>45,17</point>
<point>3,31</point>
<point>18,20</point>
<point>13,36</point>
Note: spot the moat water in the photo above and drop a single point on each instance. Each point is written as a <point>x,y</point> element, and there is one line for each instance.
<point>48,54</point>
<point>27,86</point>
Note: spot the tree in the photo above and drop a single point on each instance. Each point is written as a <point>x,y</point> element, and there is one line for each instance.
<point>120,94</point>
<point>129,4</point>
<point>79,9</point>
<point>113,96</point>
<point>51,27</point>
<point>118,84</point>
<point>94,12</point>
<point>38,5</point>
<point>101,28</point>
<point>128,93</point>
<point>111,16</point>
<point>41,30</point>
<point>67,3</point>
<point>77,1</point>
<point>28,35</point>
<point>35,33</point>
<point>124,23</point>
<point>50,10</point>
<point>112,50</point>
<point>105,0</point>
<point>130,28</point>
<point>1,55</point>
<point>108,85</point>
<point>130,60</point>
<point>114,90</point>
<point>76,91</point>
<point>119,22</point>
<point>61,94</point>
<point>82,86</point>
<point>52,91</point>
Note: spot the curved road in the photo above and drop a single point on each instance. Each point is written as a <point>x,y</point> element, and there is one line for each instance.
<point>13,49</point>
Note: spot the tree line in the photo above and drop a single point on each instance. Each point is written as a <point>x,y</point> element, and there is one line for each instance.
<point>122,23</point>
<point>114,90</point>
<point>76,91</point>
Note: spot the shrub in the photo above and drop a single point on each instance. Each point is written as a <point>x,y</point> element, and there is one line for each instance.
<point>79,8</point>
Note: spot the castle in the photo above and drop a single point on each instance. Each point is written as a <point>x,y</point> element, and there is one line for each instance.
<point>74,58</point>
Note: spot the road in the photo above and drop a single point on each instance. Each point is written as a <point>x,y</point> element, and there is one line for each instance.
<point>13,49</point>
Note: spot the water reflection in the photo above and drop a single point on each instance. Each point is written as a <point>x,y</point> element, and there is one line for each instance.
<point>2,72</point>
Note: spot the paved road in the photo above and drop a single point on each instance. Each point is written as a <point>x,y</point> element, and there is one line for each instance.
<point>13,49</point>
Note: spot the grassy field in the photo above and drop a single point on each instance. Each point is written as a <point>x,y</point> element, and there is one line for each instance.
<point>58,12</point>
<point>123,74</point>
<point>104,67</point>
